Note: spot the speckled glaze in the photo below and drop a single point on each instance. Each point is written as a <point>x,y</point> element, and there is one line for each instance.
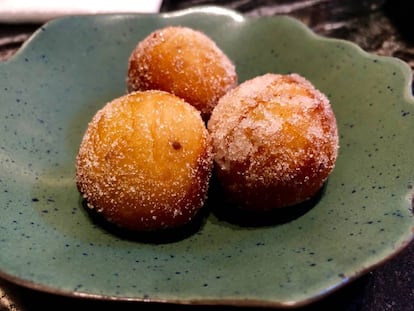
<point>71,67</point>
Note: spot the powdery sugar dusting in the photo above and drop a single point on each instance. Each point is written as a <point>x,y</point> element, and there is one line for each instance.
<point>185,62</point>
<point>275,131</point>
<point>124,173</point>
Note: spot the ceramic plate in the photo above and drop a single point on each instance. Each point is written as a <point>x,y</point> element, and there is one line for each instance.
<point>72,66</point>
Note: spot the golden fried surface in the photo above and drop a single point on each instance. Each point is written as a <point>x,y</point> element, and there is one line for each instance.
<point>275,141</point>
<point>145,161</point>
<point>185,62</point>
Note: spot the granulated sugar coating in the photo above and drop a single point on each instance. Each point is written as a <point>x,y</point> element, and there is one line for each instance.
<point>185,62</point>
<point>275,141</point>
<point>145,161</point>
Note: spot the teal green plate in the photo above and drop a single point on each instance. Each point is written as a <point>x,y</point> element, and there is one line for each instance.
<point>72,66</point>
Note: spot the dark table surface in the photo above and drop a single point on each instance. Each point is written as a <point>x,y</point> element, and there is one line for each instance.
<point>378,26</point>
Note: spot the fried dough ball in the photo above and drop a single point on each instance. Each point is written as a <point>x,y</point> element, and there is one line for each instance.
<point>185,62</point>
<point>275,141</point>
<point>145,161</point>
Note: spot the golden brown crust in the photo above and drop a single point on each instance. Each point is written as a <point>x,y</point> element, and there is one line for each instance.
<point>145,161</point>
<point>185,62</point>
<point>275,141</point>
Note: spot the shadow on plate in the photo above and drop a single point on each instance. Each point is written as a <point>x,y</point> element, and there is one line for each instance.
<point>224,211</point>
<point>215,205</point>
<point>150,237</point>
